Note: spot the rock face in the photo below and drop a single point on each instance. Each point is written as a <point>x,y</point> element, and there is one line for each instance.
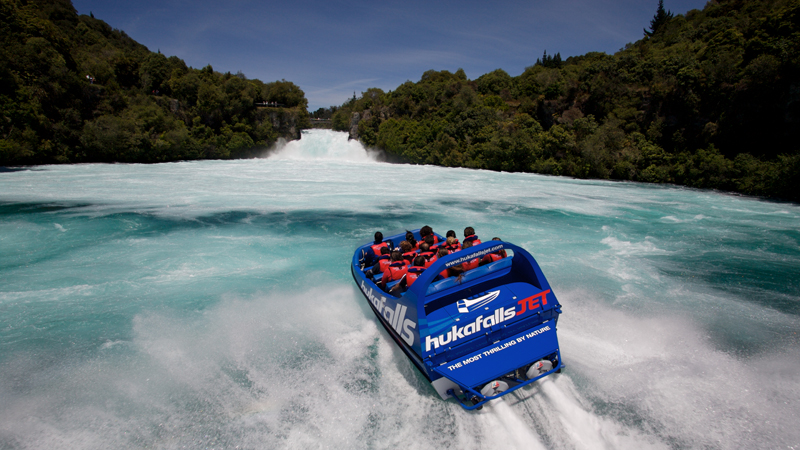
<point>284,121</point>
<point>354,119</point>
<point>321,124</point>
<point>382,114</point>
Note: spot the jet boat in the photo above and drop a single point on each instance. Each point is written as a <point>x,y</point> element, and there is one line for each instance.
<point>475,337</point>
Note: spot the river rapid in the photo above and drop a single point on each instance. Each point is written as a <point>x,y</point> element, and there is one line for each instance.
<point>209,304</point>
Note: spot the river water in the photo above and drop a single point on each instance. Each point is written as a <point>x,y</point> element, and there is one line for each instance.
<point>209,304</point>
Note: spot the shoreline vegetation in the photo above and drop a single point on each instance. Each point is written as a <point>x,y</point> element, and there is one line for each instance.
<point>709,99</point>
<point>73,89</point>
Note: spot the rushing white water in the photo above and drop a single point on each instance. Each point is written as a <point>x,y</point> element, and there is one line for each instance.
<point>209,305</point>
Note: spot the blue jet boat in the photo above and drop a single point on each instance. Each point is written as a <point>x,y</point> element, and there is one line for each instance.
<point>475,337</point>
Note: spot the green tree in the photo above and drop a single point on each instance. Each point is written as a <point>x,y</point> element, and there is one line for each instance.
<point>706,99</point>
<point>73,89</point>
<point>659,19</point>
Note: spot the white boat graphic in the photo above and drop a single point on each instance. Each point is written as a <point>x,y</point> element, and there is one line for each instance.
<point>466,306</point>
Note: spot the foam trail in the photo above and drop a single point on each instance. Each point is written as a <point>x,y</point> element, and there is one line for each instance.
<point>515,432</point>
<point>584,428</point>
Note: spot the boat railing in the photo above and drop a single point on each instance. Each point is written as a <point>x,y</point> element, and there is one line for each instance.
<point>479,272</point>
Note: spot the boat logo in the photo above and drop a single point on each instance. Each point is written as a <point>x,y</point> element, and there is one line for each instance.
<point>466,306</point>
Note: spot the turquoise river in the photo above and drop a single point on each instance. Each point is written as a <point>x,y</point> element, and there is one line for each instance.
<point>209,305</point>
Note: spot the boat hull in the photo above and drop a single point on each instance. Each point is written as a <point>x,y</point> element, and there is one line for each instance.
<point>477,336</point>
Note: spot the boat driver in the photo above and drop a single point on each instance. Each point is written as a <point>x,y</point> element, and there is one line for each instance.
<point>381,263</point>
<point>369,255</point>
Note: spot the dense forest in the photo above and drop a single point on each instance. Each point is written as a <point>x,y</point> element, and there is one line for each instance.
<point>72,89</point>
<point>710,99</point>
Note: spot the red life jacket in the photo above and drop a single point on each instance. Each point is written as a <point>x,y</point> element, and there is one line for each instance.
<point>395,271</point>
<point>430,262</point>
<point>473,238</point>
<point>453,248</point>
<point>376,248</point>
<point>492,257</point>
<point>384,262</point>
<point>427,255</point>
<point>412,274</point>
<point>471,264</point>
<point>409,256</point>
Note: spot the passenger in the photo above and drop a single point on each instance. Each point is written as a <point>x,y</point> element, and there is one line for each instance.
<point>452,245</point>
<point>383,262</point>
<point>494,256</point>
<point>428,231</point>
<point>411,240</point>
<point>442,252</point>
<point>408,251</point>
<point>415,270</point>
<point>472,263</point>
<point>425,251</point>
<point>411,276</point>
<point>458,271</point>
<point>369,256</point>
<point>395,271</point>
<point>431,240</point>
<point>469,235</point>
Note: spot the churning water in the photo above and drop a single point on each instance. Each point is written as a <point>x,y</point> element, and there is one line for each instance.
<point>209,305</point>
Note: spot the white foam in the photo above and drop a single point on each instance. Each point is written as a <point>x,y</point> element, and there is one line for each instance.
<point>510,430</point>
<point>666,369</point>
<point>321,145</point>
<point>173,255</point>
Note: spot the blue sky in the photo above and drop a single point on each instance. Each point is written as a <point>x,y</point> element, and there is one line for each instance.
<point>332,48</point>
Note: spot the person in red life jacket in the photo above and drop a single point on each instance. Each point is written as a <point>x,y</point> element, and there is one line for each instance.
<point>425,251</point>
<point>409,253</point>
<point>411,276</point>
<point>494,256</point>
<point>441,253</point>
<point>415,270</point>
<point>433,242</point>
<point>395,271</point>
<point>411,240</point>
<point>457,271</point>
<point>369,256</point>
<point>469,235</point>
<point>426,231</point>
<point>452,245</point>
<point>382,263</point>
<point>451,234</point>
<point>472,263</point>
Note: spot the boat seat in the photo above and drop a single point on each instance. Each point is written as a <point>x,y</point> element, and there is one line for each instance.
<point>469,275</point>
<point>391,284</point>
<point>375,277</point>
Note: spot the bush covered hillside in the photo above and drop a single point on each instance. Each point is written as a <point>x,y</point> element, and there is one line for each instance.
<point>710,99</point>
<point>72,89</point>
